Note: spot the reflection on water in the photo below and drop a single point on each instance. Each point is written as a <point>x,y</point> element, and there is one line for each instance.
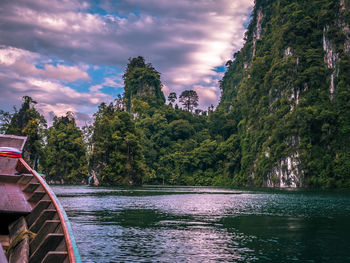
<point>184,224</point>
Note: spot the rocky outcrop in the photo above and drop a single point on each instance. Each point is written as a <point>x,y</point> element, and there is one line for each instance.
<point>331,58</point>
<point>287,173</point>
<point>258,29</point>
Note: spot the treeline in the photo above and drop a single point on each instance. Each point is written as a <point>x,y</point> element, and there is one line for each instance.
<point>59,151</point>
<point>134,140</point>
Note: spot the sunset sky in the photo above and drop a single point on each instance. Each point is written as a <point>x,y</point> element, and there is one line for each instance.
<point>70,55</point>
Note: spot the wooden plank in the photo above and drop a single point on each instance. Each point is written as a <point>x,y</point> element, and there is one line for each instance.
<point>9,178</point>
<point>12,141</point>
<point>48,227</point>
<point>25,178</point>
<point>36,196</point>
<point>50,243</point>
<point>12,199</point>
<point>20,253</point>
<point>31,187</point>
<point>55,256</point>
<point>40,206</point>
<point>62,246</point>
<point>16,227</point>
<point>8,165</point>
<point>47,214</point>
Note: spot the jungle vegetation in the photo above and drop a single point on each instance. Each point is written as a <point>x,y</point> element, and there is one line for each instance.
<point>285,94</point>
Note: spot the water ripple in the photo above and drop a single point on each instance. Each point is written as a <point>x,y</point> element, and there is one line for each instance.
<point>183,224</point>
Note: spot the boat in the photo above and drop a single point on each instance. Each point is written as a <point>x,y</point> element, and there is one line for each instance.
<point>33,224</point>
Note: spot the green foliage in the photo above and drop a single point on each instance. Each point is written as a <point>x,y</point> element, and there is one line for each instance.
<point>65,151</point>
<point>281,95</point>
<point>117,154</point>
<point>27,121</point>
<point>172,97</point>
<point>189,99</point>
<point>142,81</point>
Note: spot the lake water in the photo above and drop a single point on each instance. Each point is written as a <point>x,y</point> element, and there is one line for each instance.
<point>191,224</point>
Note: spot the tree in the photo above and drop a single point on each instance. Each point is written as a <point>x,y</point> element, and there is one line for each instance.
<point>139,107</point>
<point>117,153</point>
<point>181,129</point>
<point>5,120</point>
<point>189,99</point>
<point>65,152</point>
<point>172,97</point>
<point>30,123</point>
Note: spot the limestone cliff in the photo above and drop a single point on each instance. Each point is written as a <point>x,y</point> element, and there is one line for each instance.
<point>142,81</point>
<point>290,85</point>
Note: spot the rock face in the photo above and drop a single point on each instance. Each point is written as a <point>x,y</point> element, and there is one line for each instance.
<point>290,84</point>
<point>258,30</point>
<point>142,82</point>
<point>331,58</point>
<point>287,173</point>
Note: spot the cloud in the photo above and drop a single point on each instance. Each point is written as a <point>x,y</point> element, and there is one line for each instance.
<point>207,95</point>
<point>23,63</point>
<point>184,40</point>
<point>53,98</point>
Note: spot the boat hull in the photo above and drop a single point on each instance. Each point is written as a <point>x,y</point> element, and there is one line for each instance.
<point>34,226</point>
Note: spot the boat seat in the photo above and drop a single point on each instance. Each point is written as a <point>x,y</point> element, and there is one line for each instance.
<point>13,200</point>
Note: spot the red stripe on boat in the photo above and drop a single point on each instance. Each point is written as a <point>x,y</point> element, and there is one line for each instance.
<point>10,154</point>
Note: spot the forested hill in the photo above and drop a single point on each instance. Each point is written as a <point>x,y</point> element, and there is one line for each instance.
<point>289,87</point>
<point>283,119</point>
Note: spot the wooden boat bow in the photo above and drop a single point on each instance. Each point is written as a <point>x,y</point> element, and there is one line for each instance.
<point>28,205</point>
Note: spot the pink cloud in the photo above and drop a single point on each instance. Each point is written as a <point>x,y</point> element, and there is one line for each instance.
<point>22,62</point>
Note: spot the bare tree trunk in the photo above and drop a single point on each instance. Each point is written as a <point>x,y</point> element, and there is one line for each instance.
<point>94,176</point>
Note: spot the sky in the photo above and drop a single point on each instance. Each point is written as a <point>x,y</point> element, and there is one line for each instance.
<point>70,55</point>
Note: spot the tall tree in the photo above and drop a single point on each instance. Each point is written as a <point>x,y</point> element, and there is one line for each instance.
<point>189,99</point>
<point>172,97</point>
<point>28,122</point>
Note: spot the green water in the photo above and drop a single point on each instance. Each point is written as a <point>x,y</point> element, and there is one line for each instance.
<point>191,224</point>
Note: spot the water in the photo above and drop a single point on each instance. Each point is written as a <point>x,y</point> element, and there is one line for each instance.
<point>191,224</point>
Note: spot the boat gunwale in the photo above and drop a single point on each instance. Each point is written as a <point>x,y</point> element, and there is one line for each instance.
<point>72,249</point>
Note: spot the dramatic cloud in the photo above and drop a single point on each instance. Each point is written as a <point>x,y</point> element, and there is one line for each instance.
<point>65,42</point>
